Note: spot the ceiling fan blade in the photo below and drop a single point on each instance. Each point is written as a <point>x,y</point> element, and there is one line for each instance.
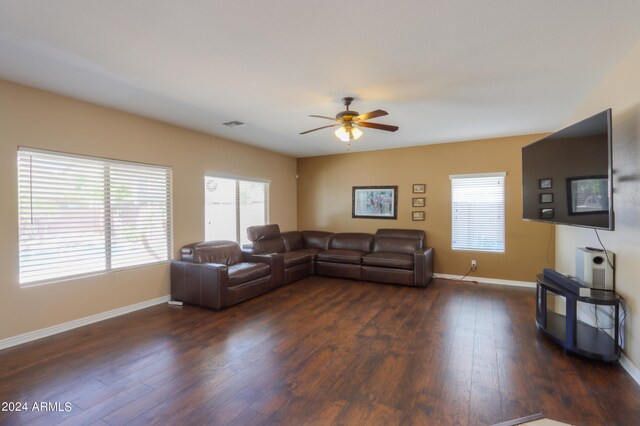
<point>322,116</point>
<point>370,115</point>
<point>378,126</point>
<point>323,127</point>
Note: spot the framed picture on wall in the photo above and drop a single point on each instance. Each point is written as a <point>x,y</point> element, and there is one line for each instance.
<point>546,197</point>
<point>419,188</point>
<point>547,213</point>
<point>374,202</point>
<point>545,183</point>
<point>417,216</point>
<point>417,202</point>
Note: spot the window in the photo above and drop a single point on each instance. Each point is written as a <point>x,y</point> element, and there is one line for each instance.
<point>477,212</point>
<point>232,205</point>
<point>82,215</point>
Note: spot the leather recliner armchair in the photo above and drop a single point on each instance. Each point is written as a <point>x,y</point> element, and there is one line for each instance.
<point>217,274</point>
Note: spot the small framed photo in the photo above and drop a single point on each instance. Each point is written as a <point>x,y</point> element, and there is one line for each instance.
<point>417,202</point>
<point>417,216</point>
<point>419,188</point>
<point>545,183</point>
<point>546,197</point>
<point>546,213</point>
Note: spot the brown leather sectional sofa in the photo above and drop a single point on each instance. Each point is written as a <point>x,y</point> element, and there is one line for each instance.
<point>392,256</point>
<point>219,274</point>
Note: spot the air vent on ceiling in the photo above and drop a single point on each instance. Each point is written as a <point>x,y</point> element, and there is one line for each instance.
<point>235,123</point>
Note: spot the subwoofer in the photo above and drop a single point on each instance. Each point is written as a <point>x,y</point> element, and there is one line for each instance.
<point>593,268</point>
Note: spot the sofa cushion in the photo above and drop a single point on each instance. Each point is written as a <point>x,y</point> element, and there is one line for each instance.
<point>223,252</point>
<point>351,241</point>
<point>396,245</point>
<point>258,232</point>
<point>401,233</point>
<point>275,245</point>
<point>265,238</point>
<point>316,239</point>
<point>389,260</point>
<point>243,272</point>
<point>292,240</point>
<point>294,258</point>
<point>341,256</point>
<point>313,253</point>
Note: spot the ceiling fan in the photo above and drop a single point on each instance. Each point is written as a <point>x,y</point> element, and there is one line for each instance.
<point>349,121</point>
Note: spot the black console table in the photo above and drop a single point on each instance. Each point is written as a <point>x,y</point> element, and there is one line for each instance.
<point>561,324</point>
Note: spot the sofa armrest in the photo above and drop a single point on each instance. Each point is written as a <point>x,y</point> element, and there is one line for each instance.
<point>187,252</point>
<point>269,258</point>
<point>203,284</point>
<point>275,260</point>
<point>423,266</point>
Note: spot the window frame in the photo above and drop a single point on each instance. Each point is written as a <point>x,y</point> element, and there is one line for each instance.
<point>501,175</point>
<point>106,215</point>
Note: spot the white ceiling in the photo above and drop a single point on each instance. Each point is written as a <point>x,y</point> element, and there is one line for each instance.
<point>445,70</point>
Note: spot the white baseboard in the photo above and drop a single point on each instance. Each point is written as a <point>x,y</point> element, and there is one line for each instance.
<point>631,369</point>
<point>49,331</point>
<point>489,280</point>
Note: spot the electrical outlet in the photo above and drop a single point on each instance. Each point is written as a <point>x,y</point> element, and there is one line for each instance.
<point>474,265</point>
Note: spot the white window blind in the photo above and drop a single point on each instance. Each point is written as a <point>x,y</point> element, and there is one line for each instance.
<point>82,215</point>
<point>477,212</point>
<point>232,205</point>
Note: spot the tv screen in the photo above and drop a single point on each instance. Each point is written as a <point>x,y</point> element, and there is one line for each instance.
<point>567,176</point>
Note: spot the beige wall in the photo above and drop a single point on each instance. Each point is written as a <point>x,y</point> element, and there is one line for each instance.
<point>38,119</point>
<point>324,200</point>
<point>620,90</point>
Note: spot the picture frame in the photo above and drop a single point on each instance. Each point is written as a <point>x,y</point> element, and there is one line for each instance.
<point>546,197</point>
<point>587,195</point>
<point>374,202</point>
<point>417,202</point>
<point>547,213</point>
<point>419,188</point>
<point>417,216</point>
<point>545,183</point>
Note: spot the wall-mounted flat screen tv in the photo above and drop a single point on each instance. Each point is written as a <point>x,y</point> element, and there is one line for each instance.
<point>567,176</point>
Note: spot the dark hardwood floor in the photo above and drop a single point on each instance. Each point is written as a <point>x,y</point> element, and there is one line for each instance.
<point>320,351</point>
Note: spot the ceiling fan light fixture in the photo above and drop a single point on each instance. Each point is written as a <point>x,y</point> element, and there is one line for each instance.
<point>343,134</point>
<point>349,122</point>
<point>348,133</point>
